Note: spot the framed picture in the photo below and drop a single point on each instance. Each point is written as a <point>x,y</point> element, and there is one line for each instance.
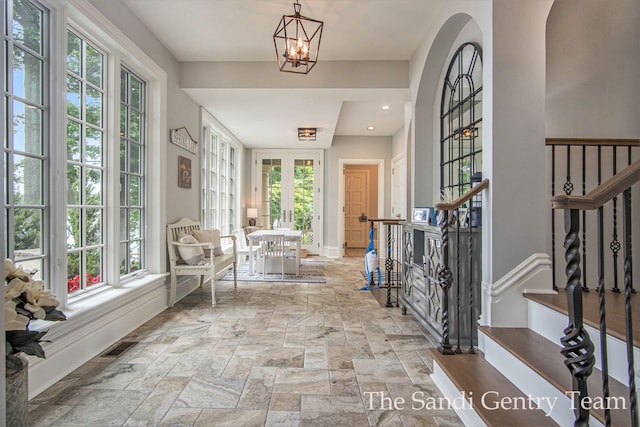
<point>420,215</point>
<point>184,172</point>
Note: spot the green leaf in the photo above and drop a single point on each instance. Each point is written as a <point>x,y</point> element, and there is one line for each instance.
<point>54,314</point>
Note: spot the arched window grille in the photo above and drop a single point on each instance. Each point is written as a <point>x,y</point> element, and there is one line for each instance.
<point>461,119</point>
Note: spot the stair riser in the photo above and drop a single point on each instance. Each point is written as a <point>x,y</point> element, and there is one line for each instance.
<point>550,324</point>
<point>468,416</point>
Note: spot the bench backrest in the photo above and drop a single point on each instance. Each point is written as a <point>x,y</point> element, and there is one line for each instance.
<point>183,226</point>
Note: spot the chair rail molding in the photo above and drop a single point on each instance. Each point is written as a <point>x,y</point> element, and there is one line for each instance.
<point>503,303</point>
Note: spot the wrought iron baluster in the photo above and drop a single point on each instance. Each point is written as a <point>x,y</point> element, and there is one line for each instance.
<point>577,347</point>
<point>388,266</point>
<point>568,185</point>
<point>603,323</point>
<point>458,326</point>
<point>585,286</point>
<point>472,315</point>
<point>615,244</point>
<point>445,280</point>
<point>553,219</point>
<point>626,214</point>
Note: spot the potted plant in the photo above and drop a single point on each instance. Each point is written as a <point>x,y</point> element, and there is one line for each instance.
<point>25,299</point>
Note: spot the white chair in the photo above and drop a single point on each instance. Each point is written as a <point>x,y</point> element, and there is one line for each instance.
<point>242,247</point>
<point>273,252</point>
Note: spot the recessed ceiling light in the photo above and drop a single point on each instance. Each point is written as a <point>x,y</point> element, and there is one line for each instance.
<point>385,107</point>
<point>371,128</point>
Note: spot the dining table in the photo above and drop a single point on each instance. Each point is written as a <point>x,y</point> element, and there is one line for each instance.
<point>293,236</point>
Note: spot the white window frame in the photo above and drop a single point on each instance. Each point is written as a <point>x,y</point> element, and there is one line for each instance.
<point>121,51</point>
<point>222,179</point>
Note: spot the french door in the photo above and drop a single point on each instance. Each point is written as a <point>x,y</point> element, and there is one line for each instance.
<point>288,193</point>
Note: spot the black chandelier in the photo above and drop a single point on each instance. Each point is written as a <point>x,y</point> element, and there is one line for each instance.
<point>297,42</point>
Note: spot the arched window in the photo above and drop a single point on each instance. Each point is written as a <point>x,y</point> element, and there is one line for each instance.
<point>460,121</point>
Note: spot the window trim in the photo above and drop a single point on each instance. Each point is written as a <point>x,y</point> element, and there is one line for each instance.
<point>212,127</point>
<point>84,17</point>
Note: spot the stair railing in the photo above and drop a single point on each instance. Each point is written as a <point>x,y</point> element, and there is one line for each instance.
<point>578,163</point>
<point>577,347</point>
<point>445,274</point>
<point>391,237</point>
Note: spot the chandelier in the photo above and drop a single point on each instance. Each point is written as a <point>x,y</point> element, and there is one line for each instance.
<point>297,42</point>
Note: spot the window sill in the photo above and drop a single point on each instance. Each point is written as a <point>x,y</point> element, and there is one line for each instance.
<point>93,305</point>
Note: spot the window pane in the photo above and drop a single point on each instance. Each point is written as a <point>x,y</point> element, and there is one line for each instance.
<point>73,140</point>
<point>94,66</point>
<point>123,258</point>
<point>27,128</point>
<point>27,76</point>
<point>123,155</point>
<point>73,54</point>
<point>73,228</point>
<point>136,93</point>
<point>94,267</point>
<point>73,97</point>
<point>134,166</point>
<point>27,25</point>
<point>123,121</point>
<point>134,224</point>
<point>73,185</point>
<point>27,181</point>
<point>28,233</point>
<point>94,187</point>
<point>93,150</point>
<point>135,255</point>
<point>134,131</point>
<point>124,224</point>
<point>124,189</point>
<point>94,227</point>
<point>73,271</point>
<point>93,102</point>
<point>134,191</point>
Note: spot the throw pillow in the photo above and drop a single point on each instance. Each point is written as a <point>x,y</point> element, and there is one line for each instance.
<point>206,236</point>
<point>192,255</point>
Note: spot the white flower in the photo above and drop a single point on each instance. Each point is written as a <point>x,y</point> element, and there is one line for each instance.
<point>12,320</point>
<point>14,288</point>
<point>38,296</point>
<point>10,270</point>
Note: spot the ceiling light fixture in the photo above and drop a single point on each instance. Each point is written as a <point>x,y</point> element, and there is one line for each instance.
<point>307,134</point>
<point>297,42</point>
<point>385,107</point>
<point>371,128</point>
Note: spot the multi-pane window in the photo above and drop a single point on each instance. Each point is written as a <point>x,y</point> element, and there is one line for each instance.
<point>132,168</point>
<point>219,182</point>
<point>85,163</point>
<point>26,56</point>
<point>461,119</point>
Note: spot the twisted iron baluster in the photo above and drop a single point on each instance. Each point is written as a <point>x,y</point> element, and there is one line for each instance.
<point>626,204</point>
<point>577,347</point>
<point>458,349</point>
<point>585,287</point>
<point>389,266</point>
<point>615,244</point>
<point>553,219</point>
<point>444,280</point>
<point>603,323</point>
<point>472,314</point>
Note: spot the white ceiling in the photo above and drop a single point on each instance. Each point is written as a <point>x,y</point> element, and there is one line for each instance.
<point>242,31</point>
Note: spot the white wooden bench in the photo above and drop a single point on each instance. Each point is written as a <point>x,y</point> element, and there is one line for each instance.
<point>211,267</point>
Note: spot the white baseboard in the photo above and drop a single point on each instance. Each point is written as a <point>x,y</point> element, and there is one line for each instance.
<point>332,251</point>
<point>85,335</point>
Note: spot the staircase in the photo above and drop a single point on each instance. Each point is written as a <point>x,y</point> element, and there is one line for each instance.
<point>521,372</point>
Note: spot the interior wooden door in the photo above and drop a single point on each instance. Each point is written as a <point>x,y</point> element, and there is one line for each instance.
<point>356,204</point>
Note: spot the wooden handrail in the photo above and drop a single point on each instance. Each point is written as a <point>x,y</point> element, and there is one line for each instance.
<point>602,193</point>
<point>442,206</point>
<point>611,142</point>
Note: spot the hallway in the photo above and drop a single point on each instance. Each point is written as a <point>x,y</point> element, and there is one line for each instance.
<point>269,354</point>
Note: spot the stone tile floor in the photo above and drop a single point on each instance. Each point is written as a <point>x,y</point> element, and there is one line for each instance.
<point>269,354</point>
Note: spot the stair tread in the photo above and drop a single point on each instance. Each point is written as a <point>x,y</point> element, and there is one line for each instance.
<point>471,373</point>
<point>544,357</point>
<point>591,310</point>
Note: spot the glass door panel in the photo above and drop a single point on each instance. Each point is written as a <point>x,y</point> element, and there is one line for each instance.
<point>288,194</point>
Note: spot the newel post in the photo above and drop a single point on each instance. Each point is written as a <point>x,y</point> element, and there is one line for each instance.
<point>445,279</point>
